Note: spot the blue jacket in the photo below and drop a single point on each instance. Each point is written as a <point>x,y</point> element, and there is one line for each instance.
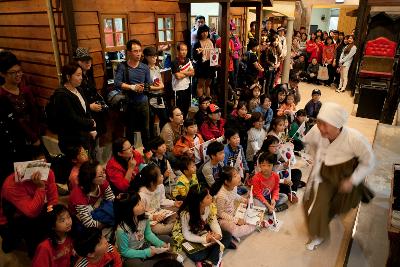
<point>268,115</point>
<point>231,156</point>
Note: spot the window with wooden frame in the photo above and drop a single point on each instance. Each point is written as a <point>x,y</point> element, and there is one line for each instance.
<point>213,22</point>
<point>239,29</point>
<point>192,21</point>
<point>114,32</point>
<point>165,29</point>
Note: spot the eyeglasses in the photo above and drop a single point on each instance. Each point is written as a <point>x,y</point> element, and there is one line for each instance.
<point>16,72</point>
<point>126,149</point>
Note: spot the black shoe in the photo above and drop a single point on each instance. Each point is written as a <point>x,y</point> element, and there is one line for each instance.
<point>301,184</point>
<point>281,207</point>
<point>232,245</point>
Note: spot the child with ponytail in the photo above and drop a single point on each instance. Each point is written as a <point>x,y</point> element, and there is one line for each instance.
<point>225,199</point>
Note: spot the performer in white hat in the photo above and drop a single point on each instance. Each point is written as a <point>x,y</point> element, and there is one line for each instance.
<point>342,158</point>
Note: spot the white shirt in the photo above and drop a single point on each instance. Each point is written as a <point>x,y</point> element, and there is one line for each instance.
<point>153,200</point>
<point>349,144</point>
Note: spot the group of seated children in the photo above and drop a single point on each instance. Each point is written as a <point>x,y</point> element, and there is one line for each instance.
<point>149,207</point>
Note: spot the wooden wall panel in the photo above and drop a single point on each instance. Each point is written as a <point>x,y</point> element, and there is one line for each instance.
<point>94,45</point>
<point>29,56</point>
<point>145,39</point>
<point>42,81</point>
<point>135,18</point>
<point>181,17</point>
<point>346,24</point>
<point>35,19</point>
<point>30,45</point>
<point>88,32</point>
<point>98,70</point>
<point>41,32</point>
<point>86,18</point>
<point>99,82</point>
<point>142,28</point>
<point>118,6</point>
<point>44,70</point>
<point>27,6</point>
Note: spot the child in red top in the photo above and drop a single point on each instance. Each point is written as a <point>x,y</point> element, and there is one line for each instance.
<point>266,185</point>
<point>92,190</point>
<point>26,201</point>
<point>77,155</point>
<point>288,108</point>
<point>213,127</point>
<point>122,168</point>
<point>95,251</point>
<point>56,250</point>
<point>189,144</point>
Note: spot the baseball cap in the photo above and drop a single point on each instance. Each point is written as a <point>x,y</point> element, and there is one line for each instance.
<point>212,108</point>
<point>316,92</point>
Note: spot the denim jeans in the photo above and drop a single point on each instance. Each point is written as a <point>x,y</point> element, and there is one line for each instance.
<point>283,198</point>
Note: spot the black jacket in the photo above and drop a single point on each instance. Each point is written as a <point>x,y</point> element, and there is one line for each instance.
<point>75,122</point>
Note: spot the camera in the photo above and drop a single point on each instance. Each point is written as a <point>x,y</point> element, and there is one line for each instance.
<point>104,106</point>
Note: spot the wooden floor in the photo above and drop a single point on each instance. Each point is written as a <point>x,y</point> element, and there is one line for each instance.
<point>285,248</point>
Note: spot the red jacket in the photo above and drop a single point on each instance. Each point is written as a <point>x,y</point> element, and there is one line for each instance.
<point>328,53</point>
<point>263,186</point>
<point>210,130</point>
<point>312,48</point>
<point>48,256</point>
<point>27,198</point>
<point>116,173</point>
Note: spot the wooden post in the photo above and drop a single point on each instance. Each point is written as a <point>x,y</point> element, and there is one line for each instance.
<point>393,98</point>
<point>224,8</point>
<point>69,27</point>
<point>359,40</point>
<point>259,13</point>
<point>54,40</point>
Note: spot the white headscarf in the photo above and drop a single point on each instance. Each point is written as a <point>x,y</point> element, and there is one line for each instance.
<point>334,114</point>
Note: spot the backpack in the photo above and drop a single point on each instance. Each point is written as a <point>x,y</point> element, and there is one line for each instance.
<point>117,98</point>
<point>52,118</point>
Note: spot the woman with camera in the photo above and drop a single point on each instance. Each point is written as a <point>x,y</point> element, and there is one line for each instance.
<point>97,105</point>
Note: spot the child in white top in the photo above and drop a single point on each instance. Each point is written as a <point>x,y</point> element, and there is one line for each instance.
<point>255,137</point>
<point>152,193</point>
<point>225,199</point>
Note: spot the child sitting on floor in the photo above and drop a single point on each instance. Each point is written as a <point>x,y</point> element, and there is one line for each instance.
<point>278,127</point>
<point>295,133</point>
<point>225,200</point>
<point>94,250</point>
<point>186,180</point>
<point>256,136</point>
<point>255,96</point>
<point>152,193</point>
<point>57,249</point>
<point>210,171</point>
<point>234,154</point>
<point>288,108</point>
<point>136,242</point>
<point>286,185</point>
<point>189,144</point>
<point>77,155</point>
<point>159,149</point>
<point>265,109</point>
<point>201,114</point>
<point>266,185</point>
<point>314,105</point>
<point>199,224</point>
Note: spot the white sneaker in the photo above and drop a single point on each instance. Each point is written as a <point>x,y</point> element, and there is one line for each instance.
<point>314,243</point>
<point>338,90</point>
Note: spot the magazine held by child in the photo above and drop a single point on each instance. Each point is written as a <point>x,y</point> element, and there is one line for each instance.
<point>25,170</point>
